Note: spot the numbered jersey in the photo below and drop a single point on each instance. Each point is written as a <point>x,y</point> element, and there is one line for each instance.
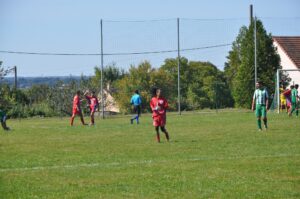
<point>261,96</point>
<point>158,106</point>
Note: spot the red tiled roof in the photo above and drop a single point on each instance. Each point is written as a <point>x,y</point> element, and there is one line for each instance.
<point>291,46</point>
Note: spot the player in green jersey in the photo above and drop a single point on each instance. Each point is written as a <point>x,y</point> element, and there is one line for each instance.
<point>260,104</point>
<point>295,100</point>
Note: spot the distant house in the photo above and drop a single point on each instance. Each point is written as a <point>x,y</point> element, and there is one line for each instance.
<point>110,104</point>
<point>288,49</point>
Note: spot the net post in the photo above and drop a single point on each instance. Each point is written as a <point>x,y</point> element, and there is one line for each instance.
<point>278,92</point>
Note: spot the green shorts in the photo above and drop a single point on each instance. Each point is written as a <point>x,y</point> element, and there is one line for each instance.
<point>261,110</point>
<point>295,105</point>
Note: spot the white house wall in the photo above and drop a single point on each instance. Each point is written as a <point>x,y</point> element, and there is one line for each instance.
<point>287,63</point>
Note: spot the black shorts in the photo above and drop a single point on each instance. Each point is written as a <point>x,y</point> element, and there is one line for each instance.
<point>137,109</point>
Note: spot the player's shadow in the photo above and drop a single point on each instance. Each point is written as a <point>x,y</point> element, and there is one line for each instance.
<point>185,141</point>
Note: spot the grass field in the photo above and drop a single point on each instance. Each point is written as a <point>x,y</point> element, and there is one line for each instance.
<point>210,156</point>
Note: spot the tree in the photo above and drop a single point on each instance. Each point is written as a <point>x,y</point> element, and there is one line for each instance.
<point>3,71</point>
<point>111,73</point>
<point>137,78</point>
<point>198,82</point>
<point>239,69</point>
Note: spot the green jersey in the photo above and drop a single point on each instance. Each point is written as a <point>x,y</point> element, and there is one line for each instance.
<point>260,96</point>
<point>294,95</point>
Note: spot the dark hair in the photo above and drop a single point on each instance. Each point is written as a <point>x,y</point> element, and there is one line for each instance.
<point>93,92</point>
<point>78,92</point>
<point>260,82</point>
<point>154,90</point>
<point>296,86</point>
<point>136,91</point>
<point>292,86</point>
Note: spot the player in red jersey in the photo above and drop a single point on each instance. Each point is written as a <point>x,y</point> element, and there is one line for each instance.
<point>159,106</point>
<point>77,108</point>
<point>288,94</point>
<point>93,103</point>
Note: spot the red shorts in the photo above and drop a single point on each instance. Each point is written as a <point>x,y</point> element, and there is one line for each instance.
<point>93,108</point>
<point>159,120</point>
<point>76,112</point>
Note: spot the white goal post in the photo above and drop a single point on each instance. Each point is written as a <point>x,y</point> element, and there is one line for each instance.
<point>278,85</point>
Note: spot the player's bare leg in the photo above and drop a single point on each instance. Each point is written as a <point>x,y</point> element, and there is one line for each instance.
<point>93,118</point>
<point>72,119</point>
<point>157,134</point>
<point>163,129</point>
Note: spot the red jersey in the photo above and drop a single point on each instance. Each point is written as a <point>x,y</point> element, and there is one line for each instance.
<point>93,101</point>
<point>287,93</point>
<point>162,103</point>
<point>76,102</point>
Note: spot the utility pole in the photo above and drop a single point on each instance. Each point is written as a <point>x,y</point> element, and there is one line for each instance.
<point>255,53</point>
<point>16,77</point>
<point>251,13</point>
<point>178,67</point>
<point>102,94</point>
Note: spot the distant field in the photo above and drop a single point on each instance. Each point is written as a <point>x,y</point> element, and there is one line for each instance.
<point>210,156</point>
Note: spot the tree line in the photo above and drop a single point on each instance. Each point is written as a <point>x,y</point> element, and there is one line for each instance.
<point>202,84</point>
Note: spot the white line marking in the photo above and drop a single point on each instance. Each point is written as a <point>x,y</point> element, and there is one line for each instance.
<point>91,165</point>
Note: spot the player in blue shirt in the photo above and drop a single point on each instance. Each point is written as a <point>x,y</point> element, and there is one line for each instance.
<point>136,101</point>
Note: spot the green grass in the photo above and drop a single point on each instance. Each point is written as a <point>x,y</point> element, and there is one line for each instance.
<point>210,156</point>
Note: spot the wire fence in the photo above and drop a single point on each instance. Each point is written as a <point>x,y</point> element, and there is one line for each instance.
<point>129,43</point>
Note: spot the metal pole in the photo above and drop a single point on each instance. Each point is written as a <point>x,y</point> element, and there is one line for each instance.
<point>16,77</point>
<point>102,94</point>
<point>251,13</point>
<point>178,65</point>
<point>216,96</point>
<point>278,94</point>
<point>255,52</point>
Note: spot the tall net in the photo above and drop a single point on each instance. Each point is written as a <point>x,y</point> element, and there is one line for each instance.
<point>281,98</point>
<point>127,45</point>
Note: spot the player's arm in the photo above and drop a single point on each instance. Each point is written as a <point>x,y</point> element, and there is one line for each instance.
<point>267,100</point>
<point>131,100</point>
<point>153,106</point>
<point>166,104</point>
<point>253,102</point>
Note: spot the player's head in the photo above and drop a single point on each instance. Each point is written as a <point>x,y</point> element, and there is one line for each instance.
<point>292,86</point>
<point>136,91</point>
<point>93,93</point>
<point>296,86</point>
<point>158,92</point>
<point>78,92</point>
<point>259,84</point>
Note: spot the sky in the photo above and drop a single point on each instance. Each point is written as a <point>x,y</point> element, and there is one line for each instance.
<point>73,26</point>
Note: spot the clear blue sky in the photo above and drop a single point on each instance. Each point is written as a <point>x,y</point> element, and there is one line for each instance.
<point>72,26</point>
